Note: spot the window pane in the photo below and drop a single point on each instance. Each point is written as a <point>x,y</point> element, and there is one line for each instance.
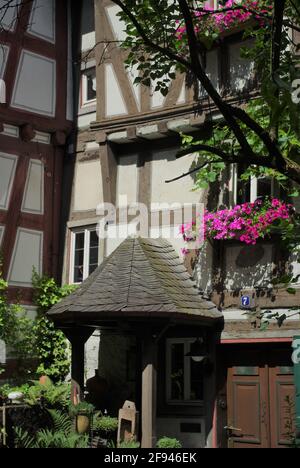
<point>94,252</point>
<point>177,372</point>
<point>78,257</point>
<point>243,188</point>
<point>264,187</point>
<point>94,239</point>
<point>92,268</point>
<point>91,84</point>
<point>196,381</point>
<point>79,241</point>
<point>94,256</point>
<point>78,274</point>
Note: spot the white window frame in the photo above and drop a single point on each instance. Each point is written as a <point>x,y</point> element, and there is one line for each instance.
<point>84,87</point>
<point>187,373</point>
<point>233,186</point>
<point>86,254</point>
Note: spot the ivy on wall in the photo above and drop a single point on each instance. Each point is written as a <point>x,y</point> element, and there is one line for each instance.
<point>38,347</point>
<point>52,347</point>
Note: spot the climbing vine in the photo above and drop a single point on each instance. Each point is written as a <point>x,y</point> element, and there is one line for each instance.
<point>52,347</point>
<point>16,331</point>
<point>38,347</point>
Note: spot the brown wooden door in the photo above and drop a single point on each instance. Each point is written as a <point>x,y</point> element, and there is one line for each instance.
<point>282,406</point>
<point>248,425</point>
<point>260,402</point>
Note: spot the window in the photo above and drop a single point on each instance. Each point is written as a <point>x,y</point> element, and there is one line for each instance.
<point>85,254</point>
<point>250,190</point>
<point>89,87</point>
<point>185,383</point>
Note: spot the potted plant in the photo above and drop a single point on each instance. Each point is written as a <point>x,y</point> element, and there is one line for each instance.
<point>106,427</point>
<point>82,413</point>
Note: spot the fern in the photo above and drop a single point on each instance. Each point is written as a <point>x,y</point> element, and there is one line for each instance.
<point>48,439</point>
<point>61,436</point>
<point>23,439</point>
<point>61,422</point>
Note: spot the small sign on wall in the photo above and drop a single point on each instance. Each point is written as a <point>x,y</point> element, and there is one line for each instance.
<point>247,302</point>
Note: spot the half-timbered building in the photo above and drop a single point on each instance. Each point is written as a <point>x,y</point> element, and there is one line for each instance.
<point>128,136</point>
<point>35,120</point>
<point>123,153</point>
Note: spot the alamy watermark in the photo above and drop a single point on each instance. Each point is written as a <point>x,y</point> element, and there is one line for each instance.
<point>2,92</point>
<point>296,91</point>
<point>2,352</point>
<point>296,353</point>
<point>154,221</point>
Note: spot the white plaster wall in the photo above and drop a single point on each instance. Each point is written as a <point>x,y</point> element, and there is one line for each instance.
<point>117,25</point>
<point>115,103</point>
<point>88,37</point>
<point>27,254</point>
<point>203,270</point>
<point>35,85</point>
<point>212,70</point>
<point>164,167</point>
<point>85,120</point>
<point>182,96</point>
<point>9,13</point>
<point>70,106</point>
<point>92,355</point>
<point>127,180</point>
<point>8,165</point>
<point>88,190</point>
<point>241,277</point>
<point>3,59</point>
<point>295,266</point>
<point>33,201</point>
<point>42,20</point>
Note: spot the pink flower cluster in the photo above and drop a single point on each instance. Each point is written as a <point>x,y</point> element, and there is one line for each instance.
<point>228,18</point>
<point>246,223</point>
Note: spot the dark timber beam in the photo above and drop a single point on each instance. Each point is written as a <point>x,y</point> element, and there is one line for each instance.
<point>149,391</point>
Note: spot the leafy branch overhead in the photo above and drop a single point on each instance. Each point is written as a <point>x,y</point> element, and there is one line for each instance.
<point>165,38</point>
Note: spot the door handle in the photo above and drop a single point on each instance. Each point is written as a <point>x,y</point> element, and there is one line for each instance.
<point>232,429</point>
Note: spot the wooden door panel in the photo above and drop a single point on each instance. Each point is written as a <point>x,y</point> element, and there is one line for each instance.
<point>282,408</point>
<point>261,400</point>
<point>247,409</point>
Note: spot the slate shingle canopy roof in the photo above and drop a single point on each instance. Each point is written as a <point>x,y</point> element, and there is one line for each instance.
<point>142,277</point>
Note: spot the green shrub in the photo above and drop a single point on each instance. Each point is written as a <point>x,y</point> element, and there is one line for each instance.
<point>130,444</point>
<point>166,442</point>
<point>105,424</point>
<point>81,408</point>
<point>50,395</point>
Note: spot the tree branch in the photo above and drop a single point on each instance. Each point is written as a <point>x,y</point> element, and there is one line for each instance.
<point>192,171</point>
<point>158,48</point>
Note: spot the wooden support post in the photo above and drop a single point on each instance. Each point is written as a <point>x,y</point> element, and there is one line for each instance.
<point>149,391</point>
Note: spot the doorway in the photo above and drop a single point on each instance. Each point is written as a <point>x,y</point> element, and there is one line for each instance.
<point>260,399</point>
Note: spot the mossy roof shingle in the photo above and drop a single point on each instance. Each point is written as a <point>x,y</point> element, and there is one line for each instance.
<point>141,277</point>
